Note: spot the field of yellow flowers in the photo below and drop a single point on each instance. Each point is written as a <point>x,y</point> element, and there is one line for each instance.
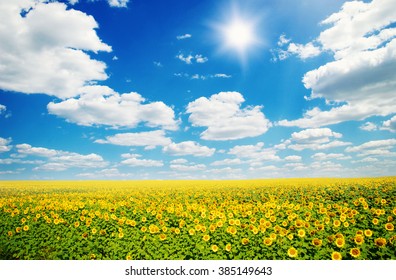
<point>253,219</point>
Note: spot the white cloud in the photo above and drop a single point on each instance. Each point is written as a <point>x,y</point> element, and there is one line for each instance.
<point>179,161</point>
<point>227,161</point>
<point>61,160</point>
<point>271,168</point>
<point>256,153</point>
<point>20,161</point>
<point>118,3</point>
<point>133,160</point>
<point>368,126</point>
<point>323,156</point>
<point>227,172</point>
<point>188,148</point>
<point>158,64</point>
<point>374,148</point>
<point>202,76</point>
<point>222,75</point>
<point>225,119</point>
<point>100,105</point>
<point>44,50</point>
<point>3,108</point>
<point>189,59</point>
<point>105,173</point>
<point>314,135</point>
<point>185,36</point>
<point>4,147</point>
<point>149,138</point>
<point>390,124</point>
<point>283,40</point>
<point>314,139</point>
<point>188,168</point>
<point>293,158</point>
<point>326,166</point>
<point>361,76</point>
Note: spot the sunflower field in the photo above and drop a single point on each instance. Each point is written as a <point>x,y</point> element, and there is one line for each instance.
<point>304,219</point>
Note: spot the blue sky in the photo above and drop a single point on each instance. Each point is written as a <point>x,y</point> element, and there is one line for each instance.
<point>118,89</point>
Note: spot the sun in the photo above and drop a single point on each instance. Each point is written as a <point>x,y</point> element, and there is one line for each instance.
<point>237,33</point>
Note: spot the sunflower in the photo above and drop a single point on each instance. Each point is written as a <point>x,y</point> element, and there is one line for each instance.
<point>94,231</point>
<point>206,238</point>
<point>85,235</point>
<point>267,241</point>
<point>301,233</point>
<point>375,221</point>
<point>359,239</point>
<point>9,233</point>
<point>368,233</point>
<point>228,247</point>
<point>143,229</point>
<point>336,223</point>
<point>162,236</point>
<point>340,242</point>
<point>290,236</point>
<point>177,231</point>
<point>219,224</point>
<point>389,226</point>
<point>214,248</point>
<point>336,256</point>
<point>25,227</point>
<point>244,241</point>
<point>128,257</point>
<point>380,242</point>
<point>191,231</point>
<point>120,235</point>
<point>316,242</point>
<point>292,252</point>
<point>355,252</point>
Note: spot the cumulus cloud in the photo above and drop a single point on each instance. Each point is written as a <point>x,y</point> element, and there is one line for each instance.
<point>149,138</point>
<point>227,161</point>
<point>293,158</point>
<point>100,105</point>
<point>302,51</point>
<point>361,78</point>
<point>105,173</point>
<point>390,124</point>
<point>189,148</point>
<point>179,161</point>
<point>183,37</point>
<point>4,147</point>
<point>134,160</point>
<point>59,160</point>
<point>225,119</point>
<point>368,126</point>
<point>188,168</point>
<point>326,157</point>
<point>3,108</point>
<point>118,3</point>
<point>189,59</point>
<point>255,153</point>
<point>45,48</point>
<point>314,139</point>
<point>374,148</point>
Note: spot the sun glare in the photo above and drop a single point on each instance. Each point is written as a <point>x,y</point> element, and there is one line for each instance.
<point>238,33</point>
